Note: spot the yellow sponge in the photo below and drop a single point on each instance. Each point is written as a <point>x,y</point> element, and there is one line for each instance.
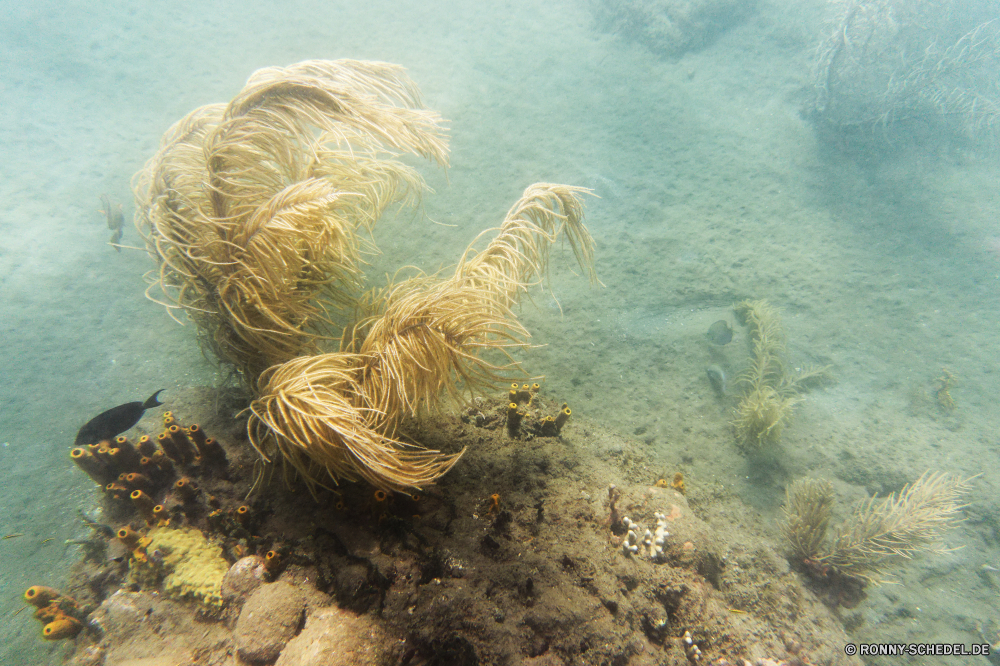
<point>193,568</point>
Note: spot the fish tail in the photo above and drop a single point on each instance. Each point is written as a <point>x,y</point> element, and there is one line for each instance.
<point>152,401</point>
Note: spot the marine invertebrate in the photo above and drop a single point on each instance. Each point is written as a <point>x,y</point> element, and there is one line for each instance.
<point>209,449</point>
<point>878,533</point>
<point>144,503</point>
<point>57,612</point>
<point>186,489</point>
<point>95,468</point>
<point>651,544</point>
<point>562,417</point>
<point>40,596</point>
<point>255,212</point>
<point>900,69</point>
<point>772,392</point>
<point>942,390</point>
<point>254,209</point>
<point>272,562</point>
<point>191,566</point>
<point>808,504</point>
<point>307,416</point>
<point>129,537</point>
<point>424,342</point>
<point>61,627</point>
<point>514,418</point>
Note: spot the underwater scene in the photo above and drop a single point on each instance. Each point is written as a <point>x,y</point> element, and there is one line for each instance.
<point>584,332</point>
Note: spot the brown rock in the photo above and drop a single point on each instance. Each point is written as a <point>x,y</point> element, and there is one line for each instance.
<point>333,635</point>
<point>269,619</point>
<point>243,578</point>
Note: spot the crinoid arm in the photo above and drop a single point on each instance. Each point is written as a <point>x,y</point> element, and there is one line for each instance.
<point>429,341</point>
<point>883,531</point>
<point>808,505</point>
<point>311,411</point>
<point>517,256</point>
<point>252,209</point>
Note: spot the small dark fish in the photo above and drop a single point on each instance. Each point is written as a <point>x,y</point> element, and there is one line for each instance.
<point>116,220</point>
<point>720,333</point>
<point>117,551</point>
<point>717,378</point>
<point>115,421</point>
<point>116,238</point>
<point>100,528</point>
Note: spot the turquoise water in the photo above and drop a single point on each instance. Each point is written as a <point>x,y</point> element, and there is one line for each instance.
<point>713,188</point>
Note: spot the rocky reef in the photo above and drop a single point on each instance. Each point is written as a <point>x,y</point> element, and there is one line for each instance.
<point>519,556</point>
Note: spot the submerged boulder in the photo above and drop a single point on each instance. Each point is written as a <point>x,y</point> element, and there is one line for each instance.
<point>270,618</point>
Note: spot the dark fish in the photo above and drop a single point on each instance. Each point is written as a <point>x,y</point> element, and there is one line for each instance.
<point>720,333</point>
<point>115,421</point>
<point>717,378</point>
<point>105,531</point>
<point>116,220</point>
<point>117,551</point>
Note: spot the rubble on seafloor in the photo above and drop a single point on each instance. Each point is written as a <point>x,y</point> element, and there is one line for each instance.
<point>520,555</point>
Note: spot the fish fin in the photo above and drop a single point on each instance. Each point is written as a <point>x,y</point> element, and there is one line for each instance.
<point>152,401</point>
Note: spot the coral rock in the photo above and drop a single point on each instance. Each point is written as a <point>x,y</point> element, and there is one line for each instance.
<point>269,619</point>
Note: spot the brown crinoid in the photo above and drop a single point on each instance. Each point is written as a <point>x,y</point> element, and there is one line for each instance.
<point>255,210</point>
<point>337,415</point>
<point>258,213</point>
